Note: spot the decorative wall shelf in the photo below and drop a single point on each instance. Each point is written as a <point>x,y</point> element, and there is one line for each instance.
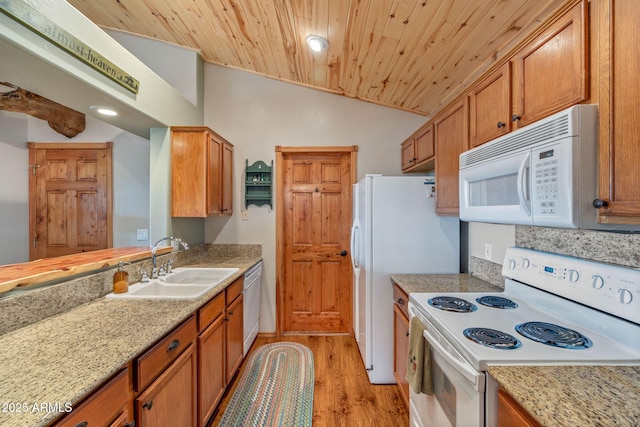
<point>258,184</point>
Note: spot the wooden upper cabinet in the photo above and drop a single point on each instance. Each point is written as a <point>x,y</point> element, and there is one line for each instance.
<point>490,107</point>
<point>418,151</point>
<point>619,151</point>
<point>201,172</point>
<point>451,139</point>
<point>551,72</point>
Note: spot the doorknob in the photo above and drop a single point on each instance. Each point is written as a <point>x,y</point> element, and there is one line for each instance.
<point>343,253</point>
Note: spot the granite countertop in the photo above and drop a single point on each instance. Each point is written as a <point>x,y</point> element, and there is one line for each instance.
<point>61,359</point>
<point>556,396</point>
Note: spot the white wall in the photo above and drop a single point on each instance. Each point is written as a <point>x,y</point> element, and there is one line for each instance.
<point>130,179</point>
<point>256,113</point>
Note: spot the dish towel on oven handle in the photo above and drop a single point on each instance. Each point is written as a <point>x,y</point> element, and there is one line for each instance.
<point>419,359</point>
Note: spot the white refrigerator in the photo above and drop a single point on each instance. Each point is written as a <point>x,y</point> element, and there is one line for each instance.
<point>395,231</point>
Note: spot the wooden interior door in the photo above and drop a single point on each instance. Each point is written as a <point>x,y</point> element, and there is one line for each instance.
<point>69,198</point>
<point>315,213</point>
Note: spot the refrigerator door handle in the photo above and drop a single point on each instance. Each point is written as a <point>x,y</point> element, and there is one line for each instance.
<point>355,231</point>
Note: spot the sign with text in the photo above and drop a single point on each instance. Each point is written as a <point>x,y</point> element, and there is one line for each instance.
<point>49,30</point>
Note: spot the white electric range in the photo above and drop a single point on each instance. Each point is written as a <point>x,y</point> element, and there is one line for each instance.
<point>555,310</point>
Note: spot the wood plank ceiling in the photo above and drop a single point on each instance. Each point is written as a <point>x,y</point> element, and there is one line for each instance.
<point>414,55</point>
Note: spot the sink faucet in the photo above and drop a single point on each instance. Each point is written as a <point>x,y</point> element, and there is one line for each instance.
<point>154,272</point>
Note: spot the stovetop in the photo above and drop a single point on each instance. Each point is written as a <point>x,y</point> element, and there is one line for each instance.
<point>586,335</point>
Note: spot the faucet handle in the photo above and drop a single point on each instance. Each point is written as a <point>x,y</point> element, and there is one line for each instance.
<point>170,266</point>
<point>162,272</point>
<point>145,276</point>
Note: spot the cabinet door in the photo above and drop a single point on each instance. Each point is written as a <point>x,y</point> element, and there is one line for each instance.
<point>171,399</point>
<point>189,168</point>
<point>451,139</point>
<point>211,369</point>
<point>408,157</point>
<point>490,107</point>
<point>424,148</point>
<point>401,351</point>
<point>551,72</point>
<point>619,158</point>
<point>227,179</point>
<point>214,189</point>
<point>235,338</point>
<point>510,413</point>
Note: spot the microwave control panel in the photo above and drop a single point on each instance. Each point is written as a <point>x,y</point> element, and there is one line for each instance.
<point>545,182</point>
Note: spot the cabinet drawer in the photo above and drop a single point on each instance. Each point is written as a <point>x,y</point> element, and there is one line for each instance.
<point>210,312</point>
<point>401,299</point>
<point>155,360</point>
<point>234,290</point>
<point>103,406</point>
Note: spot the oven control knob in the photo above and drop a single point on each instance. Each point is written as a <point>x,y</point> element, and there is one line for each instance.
<point>597,282</point>
<point>512,264</point>
<point>574,276</point>
<point>525,263</point>
<point>625,296</point>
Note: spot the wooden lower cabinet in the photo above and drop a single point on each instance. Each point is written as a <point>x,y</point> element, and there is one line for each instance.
<point>235,333</point>
<point>171,399</point>
<point>211,360</point>
<point>110,405</point>
<point>511,414</point>
<point>401,341</point>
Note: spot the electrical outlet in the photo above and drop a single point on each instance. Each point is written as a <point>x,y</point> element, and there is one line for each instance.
<point>487,251</point>
<point>245,215</point>
<point>142,234</point>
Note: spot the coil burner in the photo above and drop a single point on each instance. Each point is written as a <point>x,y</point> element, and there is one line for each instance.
<point>457,305</point>
<point>554,335</point>
<point>495,301</point>
<point>492,338</point>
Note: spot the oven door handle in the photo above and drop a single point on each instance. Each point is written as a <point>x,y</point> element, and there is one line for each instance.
<point>456,360</point>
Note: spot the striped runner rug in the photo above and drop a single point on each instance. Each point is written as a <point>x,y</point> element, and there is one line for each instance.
<point>276,388</point>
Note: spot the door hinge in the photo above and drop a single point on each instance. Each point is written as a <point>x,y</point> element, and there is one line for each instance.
<point>33,168</point>
<point>35,241</point>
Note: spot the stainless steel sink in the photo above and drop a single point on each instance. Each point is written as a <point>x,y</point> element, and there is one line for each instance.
<point>183,283</point>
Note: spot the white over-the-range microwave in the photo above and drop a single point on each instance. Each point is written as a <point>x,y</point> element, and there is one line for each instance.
<point>542,174</point>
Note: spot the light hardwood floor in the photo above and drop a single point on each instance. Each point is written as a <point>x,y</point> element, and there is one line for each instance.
<point>343,395</point>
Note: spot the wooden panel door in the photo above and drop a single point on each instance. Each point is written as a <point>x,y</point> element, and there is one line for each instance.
<point>452,138</point>
<point>211,369</point>
<point>226,207</point>
<point>316,291</point>
<point>619,151</point>
<point>69,198</point>
<point>234,337</point>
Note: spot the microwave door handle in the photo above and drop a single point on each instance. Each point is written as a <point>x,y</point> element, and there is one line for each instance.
<point>523,184</point>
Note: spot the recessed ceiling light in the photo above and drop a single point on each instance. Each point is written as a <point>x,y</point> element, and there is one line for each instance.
<point>105,111</point>
<point>317,43</point>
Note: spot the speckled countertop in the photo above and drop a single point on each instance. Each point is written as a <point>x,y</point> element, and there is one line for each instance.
<point>61,359</point>
<point>556,396</point>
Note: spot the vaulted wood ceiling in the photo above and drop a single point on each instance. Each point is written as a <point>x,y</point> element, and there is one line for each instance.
<point>415,55</point>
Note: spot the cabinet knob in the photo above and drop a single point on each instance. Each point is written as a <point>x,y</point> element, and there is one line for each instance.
<point>501,125</point>
<point>148,405</point>
<point>599,203</point>
<point>131,424</point>
<point>82,424</point>
<point>515,118</point>
<point>401,301</point>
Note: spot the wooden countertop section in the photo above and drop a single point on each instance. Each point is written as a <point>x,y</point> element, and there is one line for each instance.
<point>46,269</point>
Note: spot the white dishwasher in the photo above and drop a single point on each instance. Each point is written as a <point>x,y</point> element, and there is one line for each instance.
<point>251,302</point>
